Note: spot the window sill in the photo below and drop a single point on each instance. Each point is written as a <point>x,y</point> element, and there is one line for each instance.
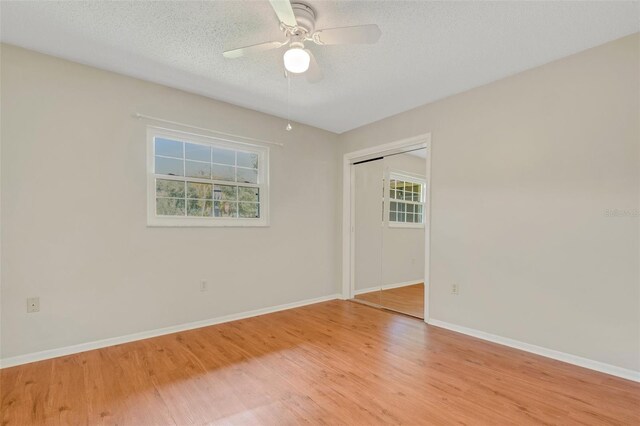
<point>178,222</point>
<point>406,225</point>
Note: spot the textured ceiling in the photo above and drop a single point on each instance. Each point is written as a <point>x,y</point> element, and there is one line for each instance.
<point>428,50</point>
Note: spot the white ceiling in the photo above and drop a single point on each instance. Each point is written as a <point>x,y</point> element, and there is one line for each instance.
<point>428,50</point>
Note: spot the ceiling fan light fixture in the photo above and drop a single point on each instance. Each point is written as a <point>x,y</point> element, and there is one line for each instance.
<point>298,24</point>
<point>296,59</point>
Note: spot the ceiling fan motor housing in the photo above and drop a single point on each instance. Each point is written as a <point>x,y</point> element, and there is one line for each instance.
<point>305,16</point>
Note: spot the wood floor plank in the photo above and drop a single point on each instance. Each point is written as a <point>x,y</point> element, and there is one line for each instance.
<point>330,363</point>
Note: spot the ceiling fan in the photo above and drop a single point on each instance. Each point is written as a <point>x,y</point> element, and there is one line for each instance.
<point>297,22</point>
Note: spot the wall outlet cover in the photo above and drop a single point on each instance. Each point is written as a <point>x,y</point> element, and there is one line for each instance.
<point>33,304</point>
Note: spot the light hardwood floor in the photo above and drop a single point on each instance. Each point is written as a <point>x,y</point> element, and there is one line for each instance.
<point>407,300</point>
<point>330,363</point>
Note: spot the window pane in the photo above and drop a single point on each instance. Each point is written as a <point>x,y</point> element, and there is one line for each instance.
<point>199,190</point>
<point>393,183</point>
<point>393,206</point>
<point>168,148</point>
<point>226,192</point>
<point>247,159</point>
<point>169,207</point>
<point>392,194</point>
<point>248,194</point>
<point>193,151</point>
<point>418,209</point>
<point>249,210</point>
<point>169,188</point>
<point>410,217</point>
<point>401,217</point>
<point>409,208</point>
<point>247,175</point>
<point>392,216</point>
<point>224,156</point>
<point>223,173</point>
<point>208,208</point>
<point>199,208</point>
<point>225,209</point>
<point>418,218</point>
<point>198,170</point>
<point>401,207</point>
<point>169,166</point>
<point>399,194</point>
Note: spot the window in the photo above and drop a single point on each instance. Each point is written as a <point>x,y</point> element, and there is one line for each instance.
<point>203,181</point>
<point>406,201</point>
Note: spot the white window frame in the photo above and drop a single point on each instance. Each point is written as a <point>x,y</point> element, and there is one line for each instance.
<point>406,177</point>
<point>154,220</point>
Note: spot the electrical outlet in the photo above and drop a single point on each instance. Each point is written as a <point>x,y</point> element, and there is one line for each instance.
<point>33,304</point>
<point>455,289</point>
<point>203,285</point>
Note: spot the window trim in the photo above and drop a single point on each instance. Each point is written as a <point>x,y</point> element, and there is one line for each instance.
<point>153,220</point>
<point>406,177</point>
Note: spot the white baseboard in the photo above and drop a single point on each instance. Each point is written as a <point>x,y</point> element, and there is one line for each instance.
<point>387,286</point>
<point>539,350</point>
<point>88,346</point>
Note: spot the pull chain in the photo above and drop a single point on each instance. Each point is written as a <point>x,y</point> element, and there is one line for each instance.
<point>288,128</point>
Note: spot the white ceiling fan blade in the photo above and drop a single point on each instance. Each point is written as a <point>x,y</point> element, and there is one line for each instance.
<point>314,73</point>
<point>284,11</point>
<point>361,34</point>
<point>254,48</point>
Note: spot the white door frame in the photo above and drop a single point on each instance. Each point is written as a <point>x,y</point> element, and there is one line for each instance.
<point>348,228</point>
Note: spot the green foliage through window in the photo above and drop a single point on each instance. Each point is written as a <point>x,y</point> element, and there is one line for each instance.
<point>207,196</point>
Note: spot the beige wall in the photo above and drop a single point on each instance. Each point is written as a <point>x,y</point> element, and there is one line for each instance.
<point>523,173</point>
<point>74,211</point>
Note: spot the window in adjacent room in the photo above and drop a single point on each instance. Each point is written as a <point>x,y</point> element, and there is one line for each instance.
<point>406,201</point>
<point>203,181</point>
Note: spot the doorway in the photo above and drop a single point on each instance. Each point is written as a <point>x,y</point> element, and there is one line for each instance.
<point>386,216</point>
